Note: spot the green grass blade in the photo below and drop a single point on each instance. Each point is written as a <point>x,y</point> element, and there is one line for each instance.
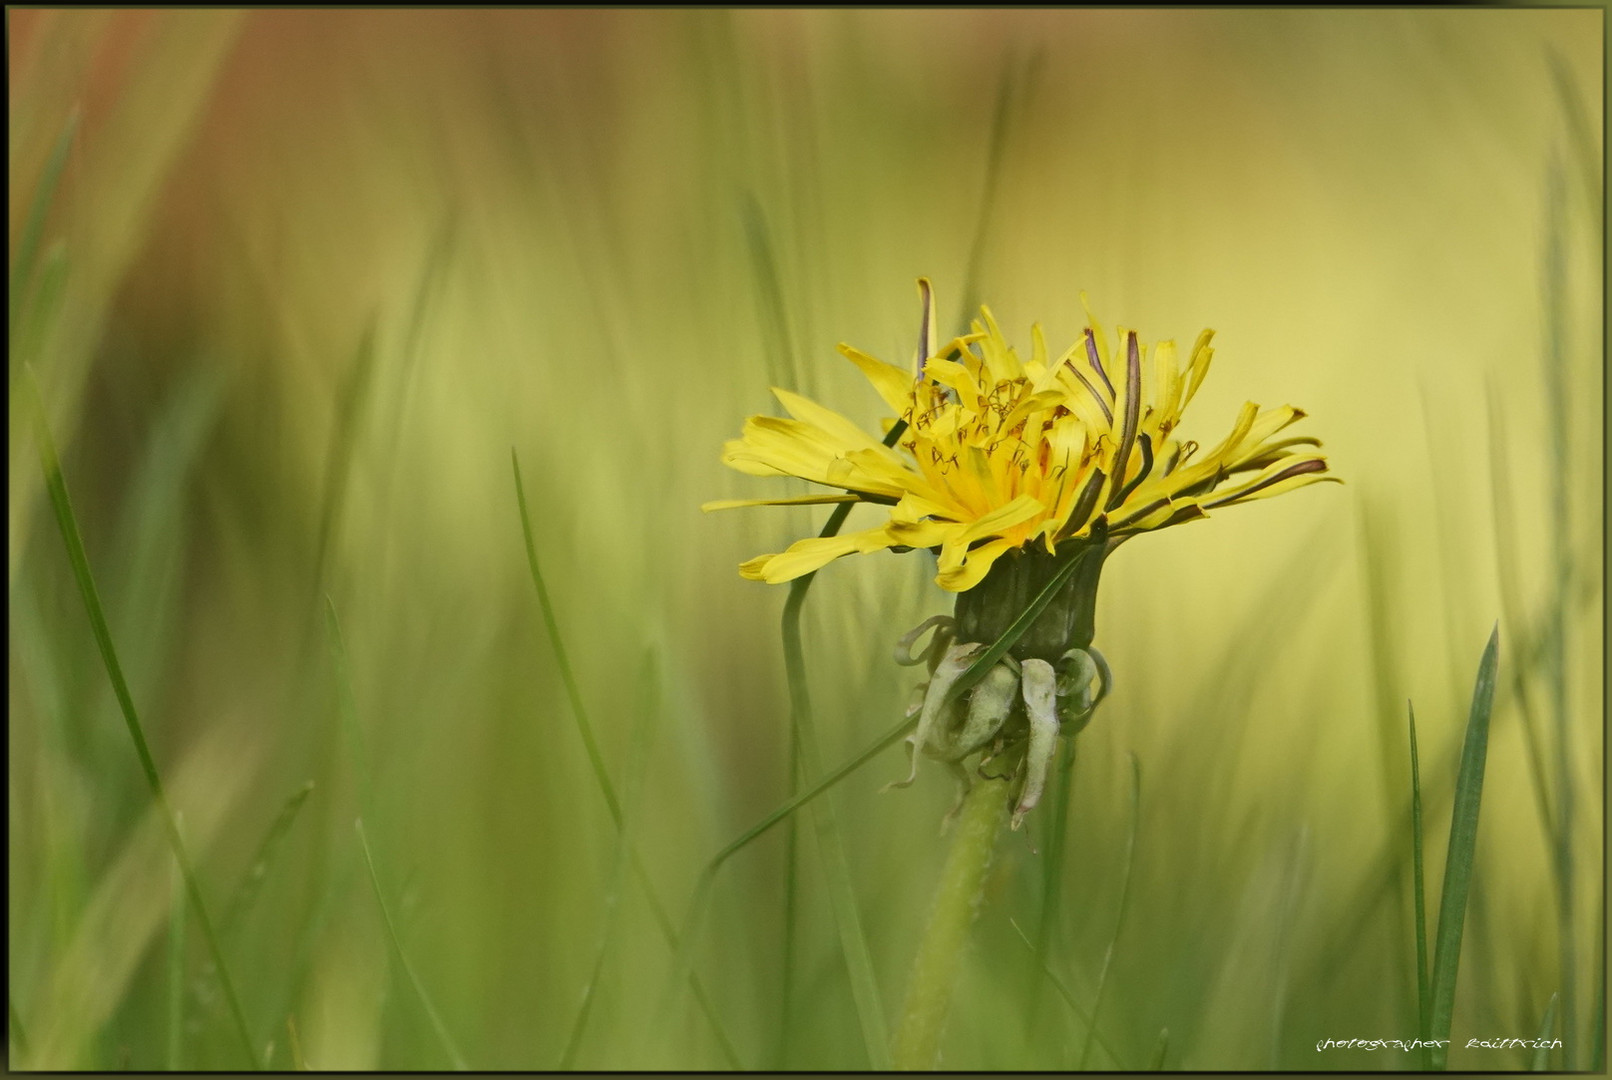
<point>1160,1049</point>
<point>1506,562</point>
<point>1557,409</point>
<point>1063,782</point>
<point>601,775</point>
<point>350,410</point>
<point>1010,89</point>
<point>347,707</point>
<point>642,735</point>
<point>19,1036</point>
<point>74,542</point>
<point>1463,847</point>
<point>1124,903</point>
<point>247,890</point>
<point>1081,1015</point>
<point>1423,1000</point>
<point>33,229</point>
<point>1539,1061</point>
<point>836,867</point>
<point>437,1026</point>
<point>783,368</point>
<point>176,973</point>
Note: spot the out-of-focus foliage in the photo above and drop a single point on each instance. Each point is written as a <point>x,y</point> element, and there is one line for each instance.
<point>303,280</point>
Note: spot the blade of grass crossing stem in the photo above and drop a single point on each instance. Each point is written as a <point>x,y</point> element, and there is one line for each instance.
<point>176,970</point>
<point>1463,847</point>
<point>437,1026</point>
<point>56,484</point>
<point>1124,902</point>
<point>642,735</point>
<point>1419,889</point>
<point>836,866</point>
<point>1068,998</point>
<point>1539,1061</point>
<point>601,775</point>
<point>971,675</point>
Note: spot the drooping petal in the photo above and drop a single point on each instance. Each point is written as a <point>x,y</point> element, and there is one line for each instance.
<point>974,566</point>
<point>814,553</point>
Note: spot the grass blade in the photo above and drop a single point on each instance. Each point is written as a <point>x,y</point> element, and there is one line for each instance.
<point>33,229</point>
<point>247,890</point>
<point>1463,846</point>
<point>1160,1049</point>
<point>1540,1059</point>
<point>437,1026</point>
<point>19,1037</point>
<point>643,733</point>
<point>74,542</point>
<point>601,775</point>
<point>176,974</point>
<point>1556,400</point>
<point>836,867</point>
<point>1063,782</point>
<point>1124,903</point>
<point>1423,1000</point>
<point>1068,998</point>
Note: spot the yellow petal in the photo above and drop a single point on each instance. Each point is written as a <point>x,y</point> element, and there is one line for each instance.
<point>813,553</point>
<point>893,384</point>
<point>808,411</point>
<point>803,500</point>
<point>1014,513</point>
<point>751,569</point>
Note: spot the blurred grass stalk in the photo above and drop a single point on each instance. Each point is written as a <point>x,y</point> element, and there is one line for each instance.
<point>74,543</point>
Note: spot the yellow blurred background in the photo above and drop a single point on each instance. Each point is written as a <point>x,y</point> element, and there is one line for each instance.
<point>303,280</point>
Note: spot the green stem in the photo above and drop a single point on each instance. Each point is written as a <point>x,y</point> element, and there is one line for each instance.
<point>940,954</point>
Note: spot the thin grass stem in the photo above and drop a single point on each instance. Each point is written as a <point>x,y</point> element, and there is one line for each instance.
<point>1124,904</point>
<point>437,1026</point>
<point>642,735</point>
<point>602,776</point>
<point>1539,1060</point>
<point>176,970</point>
<point>831,845</point>
<point>56,483</point>
<point>1423,1000</point>
<point>1044,969</point>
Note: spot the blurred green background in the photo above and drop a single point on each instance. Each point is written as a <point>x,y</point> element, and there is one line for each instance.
<point>302,281</point>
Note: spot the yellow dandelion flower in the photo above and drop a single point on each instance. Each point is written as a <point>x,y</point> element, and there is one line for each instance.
<point>1018,473</point>
<point>1002,453</point>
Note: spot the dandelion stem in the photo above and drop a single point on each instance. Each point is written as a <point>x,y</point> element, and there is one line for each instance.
<point>940,954</point>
